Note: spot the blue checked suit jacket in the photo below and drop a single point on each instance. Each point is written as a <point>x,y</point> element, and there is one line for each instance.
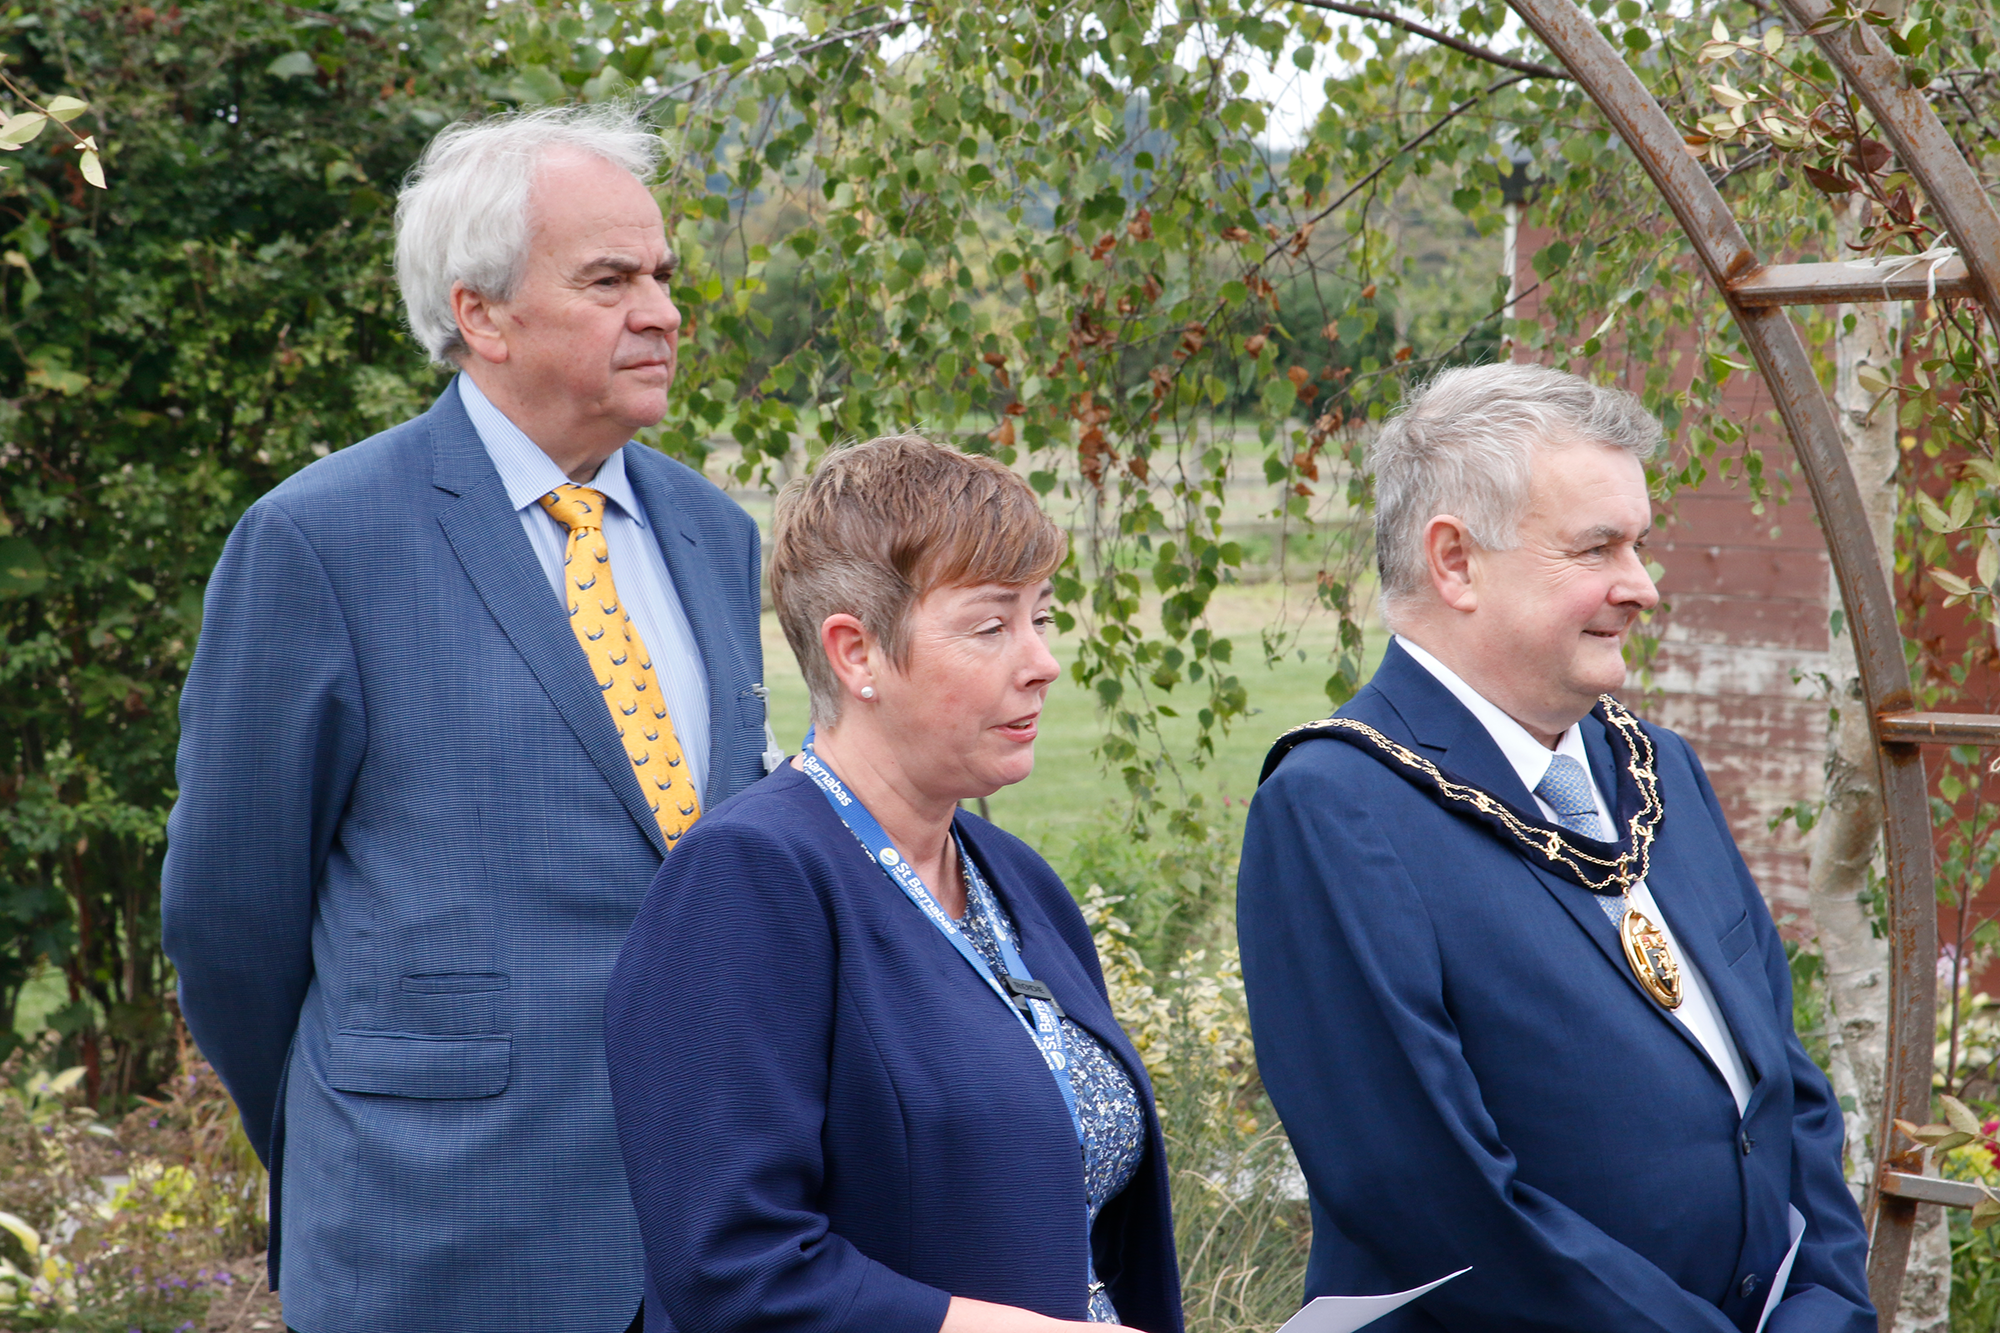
<point>407,848</point>
<point>1471,1075</point>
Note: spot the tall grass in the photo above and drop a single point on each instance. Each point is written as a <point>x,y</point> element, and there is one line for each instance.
<point>1240,1217</point>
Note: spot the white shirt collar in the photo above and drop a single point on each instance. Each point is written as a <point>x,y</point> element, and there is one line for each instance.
<point>1528,756</point>
<point>527,472</point>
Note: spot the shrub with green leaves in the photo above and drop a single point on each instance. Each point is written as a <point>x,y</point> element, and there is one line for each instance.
<point>169,350</point>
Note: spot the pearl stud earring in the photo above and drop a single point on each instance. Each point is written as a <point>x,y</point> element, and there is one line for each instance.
<point>868,691</point>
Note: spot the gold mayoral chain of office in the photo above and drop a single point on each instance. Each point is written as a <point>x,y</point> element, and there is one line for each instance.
<point>1608,869</point>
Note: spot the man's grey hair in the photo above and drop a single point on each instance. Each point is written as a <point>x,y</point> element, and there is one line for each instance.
<point>1461,446</point>
<point>462,216</point>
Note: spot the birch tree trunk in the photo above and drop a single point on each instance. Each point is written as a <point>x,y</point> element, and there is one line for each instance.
<point>1846,840</point>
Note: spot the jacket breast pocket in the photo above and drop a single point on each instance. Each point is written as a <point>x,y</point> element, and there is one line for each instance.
<point>446,1004</point>
<point>454,983</point>
<point>389,1064</point>
<point>1736,939</point>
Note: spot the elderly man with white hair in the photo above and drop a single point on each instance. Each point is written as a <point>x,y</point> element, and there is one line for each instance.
<point>460,688</point>
<point>1515,995</point>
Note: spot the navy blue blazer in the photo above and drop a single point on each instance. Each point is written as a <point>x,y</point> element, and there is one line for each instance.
<point>407,846</point>
<point>829,1122</point>
<point>1471,1075</point>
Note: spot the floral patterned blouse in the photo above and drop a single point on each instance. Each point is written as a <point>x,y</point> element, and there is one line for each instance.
<point>1114,1127</point>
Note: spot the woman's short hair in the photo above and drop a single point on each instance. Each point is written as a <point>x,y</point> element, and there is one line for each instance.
<point>462,215</point>
<point>879,525</point>
<point>1460,445</point>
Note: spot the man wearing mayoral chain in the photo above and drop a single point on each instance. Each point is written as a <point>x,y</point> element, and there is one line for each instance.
<point>1515,994</point>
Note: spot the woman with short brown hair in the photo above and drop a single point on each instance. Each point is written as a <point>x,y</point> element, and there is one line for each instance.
<point>865,1071</point>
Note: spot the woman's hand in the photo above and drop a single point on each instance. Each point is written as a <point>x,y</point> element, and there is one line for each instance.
<point>968,1316</point>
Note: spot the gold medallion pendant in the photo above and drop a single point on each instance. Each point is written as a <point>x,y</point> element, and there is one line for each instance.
<point>1652,961</point>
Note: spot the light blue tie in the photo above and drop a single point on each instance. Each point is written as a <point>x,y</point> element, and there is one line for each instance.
<point>1566,787</point>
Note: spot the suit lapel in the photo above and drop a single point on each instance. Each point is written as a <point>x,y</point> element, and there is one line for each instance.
<point>1671,880</point>
<point>1603,768</point>
<point>485,534</point>
<point>1459,743</point>
<point>1582,907</point>
<point>1440,724</point>
<point>654,484</point>
<point>1674,883</point>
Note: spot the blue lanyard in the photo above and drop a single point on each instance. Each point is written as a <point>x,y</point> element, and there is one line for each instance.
<point>1045,1031</point>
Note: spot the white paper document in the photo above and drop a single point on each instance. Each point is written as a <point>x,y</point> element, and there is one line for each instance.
<point>1344,1314</point>
<point>1798,1225</point>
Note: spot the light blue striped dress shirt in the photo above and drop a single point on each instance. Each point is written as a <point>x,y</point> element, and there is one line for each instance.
<point>637,567</point>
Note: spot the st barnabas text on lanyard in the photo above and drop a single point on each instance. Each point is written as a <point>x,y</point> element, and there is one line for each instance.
<point>1021,989</point>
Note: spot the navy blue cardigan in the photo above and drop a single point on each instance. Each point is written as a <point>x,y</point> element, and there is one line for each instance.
<point>829,1122</point>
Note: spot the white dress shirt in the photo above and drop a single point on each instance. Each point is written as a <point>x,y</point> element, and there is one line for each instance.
<point>1531,760</point>
<point>637,568</point>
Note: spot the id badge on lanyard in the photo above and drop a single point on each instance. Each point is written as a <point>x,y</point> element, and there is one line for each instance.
<point>1021,992</point>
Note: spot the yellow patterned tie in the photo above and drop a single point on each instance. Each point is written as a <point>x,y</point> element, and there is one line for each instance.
<point>620,662</point>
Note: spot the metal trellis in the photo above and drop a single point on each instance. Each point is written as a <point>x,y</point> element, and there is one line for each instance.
<point>1757,295</point>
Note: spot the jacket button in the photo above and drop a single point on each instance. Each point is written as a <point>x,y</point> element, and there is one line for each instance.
<point>1749,1287</point>
<point>1747,1142</point>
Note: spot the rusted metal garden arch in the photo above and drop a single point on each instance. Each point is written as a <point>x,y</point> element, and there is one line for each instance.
<point>1757,295</point>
